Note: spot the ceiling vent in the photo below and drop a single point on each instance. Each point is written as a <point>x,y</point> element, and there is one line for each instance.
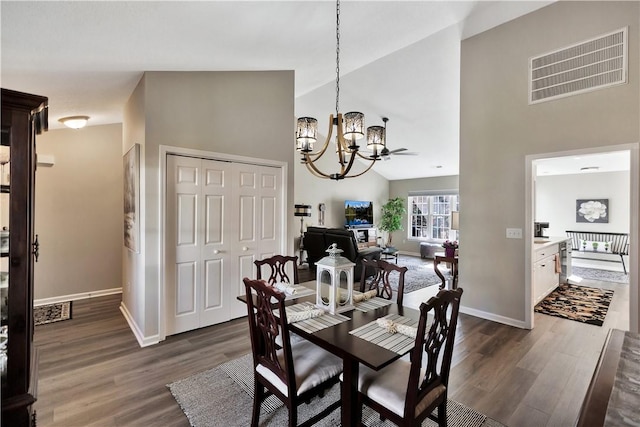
<point>583,67</point>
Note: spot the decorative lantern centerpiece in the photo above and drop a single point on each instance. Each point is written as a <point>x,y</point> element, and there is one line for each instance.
<point>334,282</point>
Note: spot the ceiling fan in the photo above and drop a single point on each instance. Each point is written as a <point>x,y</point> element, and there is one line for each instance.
<point>385,153</point>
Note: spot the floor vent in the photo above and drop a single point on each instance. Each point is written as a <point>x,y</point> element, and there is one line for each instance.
<point>589,65</point>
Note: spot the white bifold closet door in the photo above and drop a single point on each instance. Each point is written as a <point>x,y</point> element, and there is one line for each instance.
<point>220,217</point>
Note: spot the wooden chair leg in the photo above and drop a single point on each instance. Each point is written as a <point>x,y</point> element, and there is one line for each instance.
<point>293,415</point>
<point>258,395</point>
<point>442,414</point>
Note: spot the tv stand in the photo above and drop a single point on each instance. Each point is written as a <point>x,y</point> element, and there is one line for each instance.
<point>365,236</point>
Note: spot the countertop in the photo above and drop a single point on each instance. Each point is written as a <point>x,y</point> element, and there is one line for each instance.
<point>543,242</point>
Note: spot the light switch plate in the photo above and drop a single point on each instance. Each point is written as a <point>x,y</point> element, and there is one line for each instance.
<point>514,233</point>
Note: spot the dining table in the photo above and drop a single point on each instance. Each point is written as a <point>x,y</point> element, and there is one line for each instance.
<point>340,340</point>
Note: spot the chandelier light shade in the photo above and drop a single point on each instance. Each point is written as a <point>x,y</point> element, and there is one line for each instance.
<point>74,122</point>
<point>375,138</point>
<point>306,133</point>
<point>348,128</point>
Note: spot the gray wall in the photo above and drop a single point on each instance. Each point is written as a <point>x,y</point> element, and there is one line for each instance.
<point>499,128</point>
<point>238,113</point>
<point>79,213</point>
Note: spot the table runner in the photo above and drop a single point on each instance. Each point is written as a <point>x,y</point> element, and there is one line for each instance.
<point>316,323</point>
<point>397,343</point>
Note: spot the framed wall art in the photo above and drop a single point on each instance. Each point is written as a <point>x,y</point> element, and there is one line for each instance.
<point>131,163</point>
<point>592,210</point>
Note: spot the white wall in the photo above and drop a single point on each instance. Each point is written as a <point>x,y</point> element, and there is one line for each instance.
<point>79,213</point>
<point>556,201</point>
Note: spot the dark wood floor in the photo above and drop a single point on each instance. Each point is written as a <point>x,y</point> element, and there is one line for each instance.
<point>93,373</point>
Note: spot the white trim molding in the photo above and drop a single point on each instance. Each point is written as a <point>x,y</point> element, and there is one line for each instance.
<point>76,297</point>
<point>142,340</point>
<point>493,317</point>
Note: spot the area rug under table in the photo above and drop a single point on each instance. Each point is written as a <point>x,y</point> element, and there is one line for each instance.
<point>580,303</point>
<point>50,313</point>
<point>223,396</point>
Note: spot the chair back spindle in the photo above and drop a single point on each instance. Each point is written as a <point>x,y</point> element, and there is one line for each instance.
<point>264,328</point>
<point>278,266</point>
<point>380,281</point>
<point>439,338</point>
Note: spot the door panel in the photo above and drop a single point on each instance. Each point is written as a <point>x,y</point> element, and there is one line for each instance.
<point>186,289</point>
<point>182,252</point>
<point>215,253</point>
<point>212,290</point>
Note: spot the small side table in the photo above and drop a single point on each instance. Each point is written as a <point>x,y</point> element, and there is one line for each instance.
<point>453,261</point>
<point>389,253</point>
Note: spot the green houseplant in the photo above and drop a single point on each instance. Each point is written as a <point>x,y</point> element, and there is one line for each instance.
<point>391,220</point>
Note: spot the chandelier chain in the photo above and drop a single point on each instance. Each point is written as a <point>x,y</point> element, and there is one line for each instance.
<point>337,56</point>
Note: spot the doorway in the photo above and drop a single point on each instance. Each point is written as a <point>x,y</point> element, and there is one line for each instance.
<point>609,163</point>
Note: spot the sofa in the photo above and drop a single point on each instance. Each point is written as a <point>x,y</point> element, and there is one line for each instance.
<point>318,239</point>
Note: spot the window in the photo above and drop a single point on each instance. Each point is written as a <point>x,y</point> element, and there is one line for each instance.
<point>430,216</point>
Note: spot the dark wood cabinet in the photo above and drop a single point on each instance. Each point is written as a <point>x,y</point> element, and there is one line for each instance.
<point>23,117</point>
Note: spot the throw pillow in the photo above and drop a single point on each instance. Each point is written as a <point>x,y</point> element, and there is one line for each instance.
<point>594,246</point>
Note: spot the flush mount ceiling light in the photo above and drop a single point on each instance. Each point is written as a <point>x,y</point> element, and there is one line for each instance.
<point>349,128</point>
<point>74,122</point>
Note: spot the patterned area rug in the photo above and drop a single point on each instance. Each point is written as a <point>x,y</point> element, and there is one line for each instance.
<point>420,274</point>
<point>603,275</point>
<point>223,396</point>
<point>50,313</point>
<point>579,303</point>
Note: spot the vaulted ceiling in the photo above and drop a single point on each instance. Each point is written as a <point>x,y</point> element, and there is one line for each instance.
<point>397,59</point>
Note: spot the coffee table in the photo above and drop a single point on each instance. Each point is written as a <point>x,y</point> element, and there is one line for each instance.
<point>388,253</point>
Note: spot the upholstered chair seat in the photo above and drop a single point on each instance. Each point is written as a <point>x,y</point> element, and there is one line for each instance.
<point>388,387</point>
<point>313,366</point>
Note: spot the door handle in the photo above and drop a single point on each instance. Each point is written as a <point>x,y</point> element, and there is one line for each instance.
<point>36,248</point>
<point>244,248</point>
<point>215,251</point>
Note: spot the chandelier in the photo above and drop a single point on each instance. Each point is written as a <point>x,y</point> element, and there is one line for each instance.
<point>349,128</point>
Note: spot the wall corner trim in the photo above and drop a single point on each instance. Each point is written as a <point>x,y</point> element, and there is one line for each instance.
<point>142,340</point>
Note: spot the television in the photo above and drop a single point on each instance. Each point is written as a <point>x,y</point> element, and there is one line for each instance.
<point>358,213</point>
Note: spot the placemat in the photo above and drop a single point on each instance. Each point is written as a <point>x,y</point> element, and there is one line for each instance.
<point>372,304</point>
<point>397,343</point>
<point>317,323</point>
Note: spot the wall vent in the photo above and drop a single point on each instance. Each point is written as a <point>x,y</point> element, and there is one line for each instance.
<point>593,64</point>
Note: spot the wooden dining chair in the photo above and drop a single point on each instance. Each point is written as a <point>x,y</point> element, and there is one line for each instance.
<point>278,265</point>
<point>407,392</point>
<point>380,279</point>
<point>294,373</point>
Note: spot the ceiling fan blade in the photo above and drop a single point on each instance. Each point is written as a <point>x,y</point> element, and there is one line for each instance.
<point>397,150</point>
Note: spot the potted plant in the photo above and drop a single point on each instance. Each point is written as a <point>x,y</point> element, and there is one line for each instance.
<point>391,220</point>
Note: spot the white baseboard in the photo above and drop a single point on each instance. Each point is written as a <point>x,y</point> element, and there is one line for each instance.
<point>142,340</point>
<point>493,317</point>
<point>75,297</point>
